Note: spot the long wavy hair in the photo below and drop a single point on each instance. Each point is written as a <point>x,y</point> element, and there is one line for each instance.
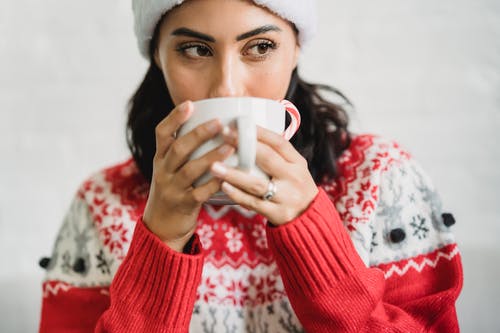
<point>321,138</point>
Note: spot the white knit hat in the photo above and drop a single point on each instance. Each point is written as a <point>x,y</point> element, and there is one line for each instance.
<point>147,13</point>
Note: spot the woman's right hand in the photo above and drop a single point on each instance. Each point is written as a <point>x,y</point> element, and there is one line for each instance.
<point>173,203</point>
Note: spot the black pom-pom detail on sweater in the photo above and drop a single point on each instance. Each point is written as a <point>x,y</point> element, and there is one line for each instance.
<point>44,262</point>
<point>397,235</point>
<point>79,265</point>
<point>448,219</point>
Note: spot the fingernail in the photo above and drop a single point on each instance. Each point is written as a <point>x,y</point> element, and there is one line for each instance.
<point>226,187</point>
<point>218,169</point>
<point>226,131</point>
<point>229,134</point>
<point>184,107</point>
<point>213,126</point>
<point>224,149</point>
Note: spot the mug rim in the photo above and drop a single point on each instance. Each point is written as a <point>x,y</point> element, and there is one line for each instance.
<point>232,98</point>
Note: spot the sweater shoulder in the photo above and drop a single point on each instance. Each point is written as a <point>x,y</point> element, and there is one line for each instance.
<point>96,231</point>
<point>115,197</point>
<point>119,185</point>
<point>387,202</point>
<point>367,157</point>
<point>373,150</point>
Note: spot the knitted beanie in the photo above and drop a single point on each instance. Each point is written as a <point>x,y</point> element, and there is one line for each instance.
<point>147,13</point>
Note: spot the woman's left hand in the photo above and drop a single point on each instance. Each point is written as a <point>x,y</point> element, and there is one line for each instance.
<point>295,187</point>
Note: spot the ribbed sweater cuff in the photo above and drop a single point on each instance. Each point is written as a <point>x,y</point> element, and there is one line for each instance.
<point>155,287</point>
<point>314,251</point>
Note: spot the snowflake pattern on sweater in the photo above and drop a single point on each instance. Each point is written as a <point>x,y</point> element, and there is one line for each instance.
<point>380,190</point>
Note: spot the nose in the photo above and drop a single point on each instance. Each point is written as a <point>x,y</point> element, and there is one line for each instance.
<point>226,79</point>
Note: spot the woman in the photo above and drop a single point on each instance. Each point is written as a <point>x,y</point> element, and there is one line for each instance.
<point>350,238</point>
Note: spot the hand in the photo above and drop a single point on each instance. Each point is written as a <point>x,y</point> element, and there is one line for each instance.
<point>288,170</point>
<point>173,204</point>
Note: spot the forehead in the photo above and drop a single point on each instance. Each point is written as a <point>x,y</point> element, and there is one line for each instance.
<point>221,17</point>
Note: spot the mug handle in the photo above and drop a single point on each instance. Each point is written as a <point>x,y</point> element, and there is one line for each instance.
<point>247,133</point>
<point>295,119</point>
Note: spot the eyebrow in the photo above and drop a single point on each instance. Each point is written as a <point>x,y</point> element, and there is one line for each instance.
<point>191,33</point>
<point>196,34</point>
<point>258,31</point>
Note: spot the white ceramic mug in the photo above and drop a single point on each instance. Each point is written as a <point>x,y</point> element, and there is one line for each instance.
<point>246,113</point>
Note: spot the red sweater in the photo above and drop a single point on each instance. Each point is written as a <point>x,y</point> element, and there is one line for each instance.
<point>373,252</point>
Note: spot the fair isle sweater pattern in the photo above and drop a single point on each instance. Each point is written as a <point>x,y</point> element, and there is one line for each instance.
<point>381,189</point>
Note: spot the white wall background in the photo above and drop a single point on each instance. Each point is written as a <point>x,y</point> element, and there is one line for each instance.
<point>424,72</point>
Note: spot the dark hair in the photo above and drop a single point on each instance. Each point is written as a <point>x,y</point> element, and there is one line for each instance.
<point>321,138</point>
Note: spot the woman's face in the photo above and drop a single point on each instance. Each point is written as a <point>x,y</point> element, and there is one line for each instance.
<point>220,48</point>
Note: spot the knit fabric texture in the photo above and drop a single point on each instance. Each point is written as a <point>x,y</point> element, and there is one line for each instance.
<point>373,252</point>
<point>147,13</point>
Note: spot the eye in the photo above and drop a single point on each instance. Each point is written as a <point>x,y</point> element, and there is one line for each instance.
<point>194,50</point>
<point>261,48</point>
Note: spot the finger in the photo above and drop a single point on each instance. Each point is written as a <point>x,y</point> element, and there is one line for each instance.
<point>279,144</point>
<point>166,129</point>
<point>202,193</point>
<point>194,169</point>
<point>230,135</point>
<point>269,161</point>
<point>248,183</point>
<point>247,200</point>
<point>183,147</point>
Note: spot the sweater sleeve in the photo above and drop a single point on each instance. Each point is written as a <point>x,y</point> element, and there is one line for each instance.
<point>331,289</point>
<point>153,290</point>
